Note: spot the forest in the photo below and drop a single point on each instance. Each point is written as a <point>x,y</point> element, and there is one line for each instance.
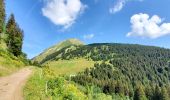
<point>112,71</point>
<point>137,71</point>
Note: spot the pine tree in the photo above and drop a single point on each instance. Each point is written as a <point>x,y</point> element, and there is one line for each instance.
<point>149,92</point>
<point>164,94</point>
<point>15,36</point>
<point>157,93</point>
<point>2,15</point>
<point>139,93</point>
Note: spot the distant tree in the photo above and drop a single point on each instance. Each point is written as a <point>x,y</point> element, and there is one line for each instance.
<point>119,87</point>
<point>15,36</point>
<point>139,93</point>
<point>2,15</point>
<point>164,94</point>
<point>157,93</point>
<point>149,92</point>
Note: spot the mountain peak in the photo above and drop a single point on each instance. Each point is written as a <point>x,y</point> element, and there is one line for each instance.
<point>57,47</point>
<point>73,41</point>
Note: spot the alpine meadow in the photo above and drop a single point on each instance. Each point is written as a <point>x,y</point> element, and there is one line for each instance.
<point>84,50</point>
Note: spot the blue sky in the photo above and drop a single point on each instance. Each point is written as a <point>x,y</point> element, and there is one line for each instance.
<point>47,22</point>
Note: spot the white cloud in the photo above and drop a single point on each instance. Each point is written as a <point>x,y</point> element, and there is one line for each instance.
<point>88,36</point>
<point>148,27</point>
<point>63,12</point>
<point>119,6</point>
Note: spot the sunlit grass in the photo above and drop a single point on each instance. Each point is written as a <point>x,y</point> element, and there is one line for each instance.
<point>35,86</point>
<point>9,63</point>
<point>42,87</point>
<point>70,66</point>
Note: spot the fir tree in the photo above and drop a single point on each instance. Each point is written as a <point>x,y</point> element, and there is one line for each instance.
<point>139,93</point>
<point>157,93</point>
<point>164,94</point>
<point>15,36</point>
<point>2,16</point>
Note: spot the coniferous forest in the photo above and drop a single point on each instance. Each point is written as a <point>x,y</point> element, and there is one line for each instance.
<point>137,71</point>
<point>73,70</point>
<point>11,42</point>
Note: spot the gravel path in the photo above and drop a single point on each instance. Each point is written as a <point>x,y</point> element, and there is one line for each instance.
<point>11,86</point>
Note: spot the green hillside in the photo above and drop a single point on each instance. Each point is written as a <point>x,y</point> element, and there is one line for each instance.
<point>69,67</point>
<point>11,39</point>
<point>8,62</point>
<point>56,48</point>
<point>123,70</point>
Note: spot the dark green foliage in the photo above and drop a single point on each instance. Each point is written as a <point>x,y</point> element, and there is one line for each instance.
<point>15,36</point>
<point>2,16</point>
<point>132,62</point>
<point>164,94</point>
<point>139,93</point>
<point>118,84</point>
<point>128,66</point>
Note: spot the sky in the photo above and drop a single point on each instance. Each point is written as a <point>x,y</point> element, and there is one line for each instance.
<point>47,22</point>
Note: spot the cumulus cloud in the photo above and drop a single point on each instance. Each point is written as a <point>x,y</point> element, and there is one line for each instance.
<point>119,6</point>
<point>63,12</point>
<point>148,27</point>
<point>88,36</point>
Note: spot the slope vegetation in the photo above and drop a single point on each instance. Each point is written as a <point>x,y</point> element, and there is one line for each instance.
<point>128,71</point>
<point>67,43</point>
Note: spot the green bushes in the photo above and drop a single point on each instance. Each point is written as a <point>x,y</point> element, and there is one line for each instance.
<point>11,39</point>
<point>59,88</point>
<point>9,63</point>
<point>45,85</point>
<point>35,87</point>
<point>114,81</point>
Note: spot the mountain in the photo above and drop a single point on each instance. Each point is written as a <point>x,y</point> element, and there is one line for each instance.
<point>133,62</point>
<point>131,70</point>
<point>67,43</point>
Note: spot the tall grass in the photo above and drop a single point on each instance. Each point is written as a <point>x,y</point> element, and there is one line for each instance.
<point>35,86</point>
<point>45,84</point>
<point>9,63</point>
<point>69,66</point>
<point>48,86</point>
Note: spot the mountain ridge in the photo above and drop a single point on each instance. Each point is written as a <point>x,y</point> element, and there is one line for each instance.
<point>114,67</point>
<point>57,47</point>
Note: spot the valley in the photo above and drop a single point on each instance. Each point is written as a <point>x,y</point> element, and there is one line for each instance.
<point>109,53</point>
<point>107,69</point>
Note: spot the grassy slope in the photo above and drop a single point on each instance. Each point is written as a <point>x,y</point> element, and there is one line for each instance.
<point>8,62</point>
<point>69,66</point>
<point>35,89</point>
<point>56,48</point>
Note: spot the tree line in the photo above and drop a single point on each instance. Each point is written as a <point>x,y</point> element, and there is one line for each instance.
<point>10,28</point>
<point>140,72</point>
<point>112,80</point>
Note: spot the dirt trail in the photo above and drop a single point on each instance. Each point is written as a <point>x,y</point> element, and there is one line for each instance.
<point>11,86</point>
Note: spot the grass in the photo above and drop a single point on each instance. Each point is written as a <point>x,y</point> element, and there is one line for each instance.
<point>58,87</point>
<point>2,41</point>
<point>69,66</point>
<point>56,48</point>
<point>9,63</point>
<point>35,86</point>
